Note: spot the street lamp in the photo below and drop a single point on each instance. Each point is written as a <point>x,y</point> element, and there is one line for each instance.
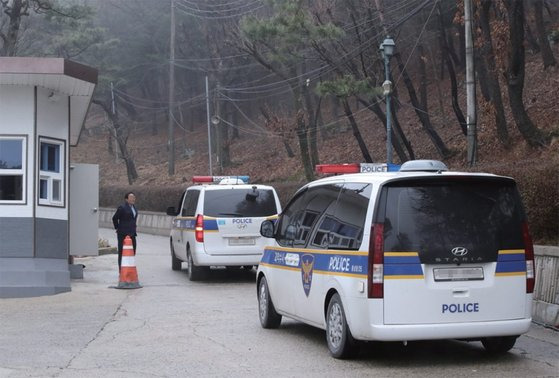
<point>386,51</point>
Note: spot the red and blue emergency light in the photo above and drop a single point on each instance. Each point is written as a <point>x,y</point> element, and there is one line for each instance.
<point>356,168</point>
<point>218,179</point>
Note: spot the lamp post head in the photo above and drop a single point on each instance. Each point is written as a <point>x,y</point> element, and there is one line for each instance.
<point>388,46</point>
<point>381,49</point>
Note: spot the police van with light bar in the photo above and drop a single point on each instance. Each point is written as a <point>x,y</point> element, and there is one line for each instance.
<point>419,254</point>
<point>218,225</point>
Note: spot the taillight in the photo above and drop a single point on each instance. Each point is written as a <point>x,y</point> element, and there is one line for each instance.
<point>199,228</point>
<point>529,253</point>
<point>376,260</point>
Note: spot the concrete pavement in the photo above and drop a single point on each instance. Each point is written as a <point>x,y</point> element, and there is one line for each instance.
<point>173,327</point>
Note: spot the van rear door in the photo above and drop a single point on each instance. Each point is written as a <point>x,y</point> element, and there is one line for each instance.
<point>453,250</point>
<point>232,218</point>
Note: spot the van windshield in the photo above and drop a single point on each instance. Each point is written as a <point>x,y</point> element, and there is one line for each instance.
<point>435,216</point>
<point>233,203</point>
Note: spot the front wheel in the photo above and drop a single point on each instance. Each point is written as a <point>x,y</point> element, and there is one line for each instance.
<point>195,273</point>
<point>269,318</point>
<point>176,264</point>
<point>341,343</point>
<point>498,345</point>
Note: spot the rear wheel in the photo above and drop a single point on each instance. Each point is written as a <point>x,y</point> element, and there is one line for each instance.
<point>195,273</point>
<point>498,345</point>
<point>176,264</point>
<point>269,318</point>
<point>341,343</point>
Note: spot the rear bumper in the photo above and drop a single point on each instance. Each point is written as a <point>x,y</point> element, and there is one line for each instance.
<point>203,259</point>
<point>471,330</point>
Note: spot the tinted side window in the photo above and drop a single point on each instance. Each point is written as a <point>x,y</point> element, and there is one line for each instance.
<point>347,224</point>
<point>301,216</point>
<point>189,208</point>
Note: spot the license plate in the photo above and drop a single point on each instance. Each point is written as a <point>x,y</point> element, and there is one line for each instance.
<point>242,241</point>
<point>458,274</point>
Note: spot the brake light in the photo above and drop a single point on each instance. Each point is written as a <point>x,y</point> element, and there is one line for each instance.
<point>199,228</point>
<point>529,253</point>
<point>376,261</point>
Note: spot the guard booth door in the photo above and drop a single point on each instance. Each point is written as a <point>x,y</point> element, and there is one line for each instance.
<point>84,205</point>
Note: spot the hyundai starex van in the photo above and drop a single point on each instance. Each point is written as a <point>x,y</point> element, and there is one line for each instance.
<point>418,254</point>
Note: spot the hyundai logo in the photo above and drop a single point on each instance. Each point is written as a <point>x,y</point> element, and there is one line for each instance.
<point>459,251</point>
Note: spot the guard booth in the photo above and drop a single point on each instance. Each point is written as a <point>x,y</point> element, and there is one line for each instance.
<point>43,105</point>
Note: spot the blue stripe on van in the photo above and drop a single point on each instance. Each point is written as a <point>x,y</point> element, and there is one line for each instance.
<point>210,225</point>
<point>403,270</point>
<point>401,259</point>
<point>402,265</point>
<point>511,257</point>
<point>511,266</point>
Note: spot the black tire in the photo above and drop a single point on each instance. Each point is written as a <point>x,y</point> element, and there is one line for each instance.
<point>195,273</point>
<point>176,264</point>
<point>341,343</point>
<point>269,318</point>
<point>498,345</point>
<point>248,267</point>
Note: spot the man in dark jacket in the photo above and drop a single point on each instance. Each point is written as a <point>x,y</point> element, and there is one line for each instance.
<point>124,221</point>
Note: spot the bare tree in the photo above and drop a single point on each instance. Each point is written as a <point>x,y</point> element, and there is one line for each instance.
<point>118,133</point>
<point>515,76</point>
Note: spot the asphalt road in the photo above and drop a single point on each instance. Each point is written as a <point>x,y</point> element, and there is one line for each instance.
<point>176,328</point>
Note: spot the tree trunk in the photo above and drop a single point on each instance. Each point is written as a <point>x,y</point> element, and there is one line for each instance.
<point>515,76</point>
<point>398,137</point>
<point>422,114</point>
<point>531,39</point>
<point>10,42</point>
<point>547,54</point>
<point>302,133</point>
<point>313,143</point>
<point>422,76</point>
<point>356,133</point>
<point>118,134</point>
<point>491,73</point>
<point>401,137</point>
<point>445,50</point>
<point>481,73</point>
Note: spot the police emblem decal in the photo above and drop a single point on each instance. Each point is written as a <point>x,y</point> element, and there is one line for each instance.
<point>307,262</point>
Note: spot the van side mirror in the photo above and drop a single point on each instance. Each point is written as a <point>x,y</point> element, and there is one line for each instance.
<point>171,211</point>
<point>267,229</point>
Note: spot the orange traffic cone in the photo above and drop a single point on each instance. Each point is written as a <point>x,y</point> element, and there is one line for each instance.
<point>128,274</point>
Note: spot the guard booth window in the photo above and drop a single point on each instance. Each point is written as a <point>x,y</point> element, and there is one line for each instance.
<point>51,172</point>
<point>12,169</point>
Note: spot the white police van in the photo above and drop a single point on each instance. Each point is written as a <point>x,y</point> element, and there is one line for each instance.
<point>218,225</point>
<point>423,253</point>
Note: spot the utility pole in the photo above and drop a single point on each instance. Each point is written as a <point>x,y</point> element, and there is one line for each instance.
<point>217,114</point>
<point>171,142</point>
<point>113,108</point>
<point>471,118</point>
<point>209,128</point>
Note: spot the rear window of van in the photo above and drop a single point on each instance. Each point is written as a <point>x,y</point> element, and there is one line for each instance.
<point>434,216</point>
<point>232,203</point>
